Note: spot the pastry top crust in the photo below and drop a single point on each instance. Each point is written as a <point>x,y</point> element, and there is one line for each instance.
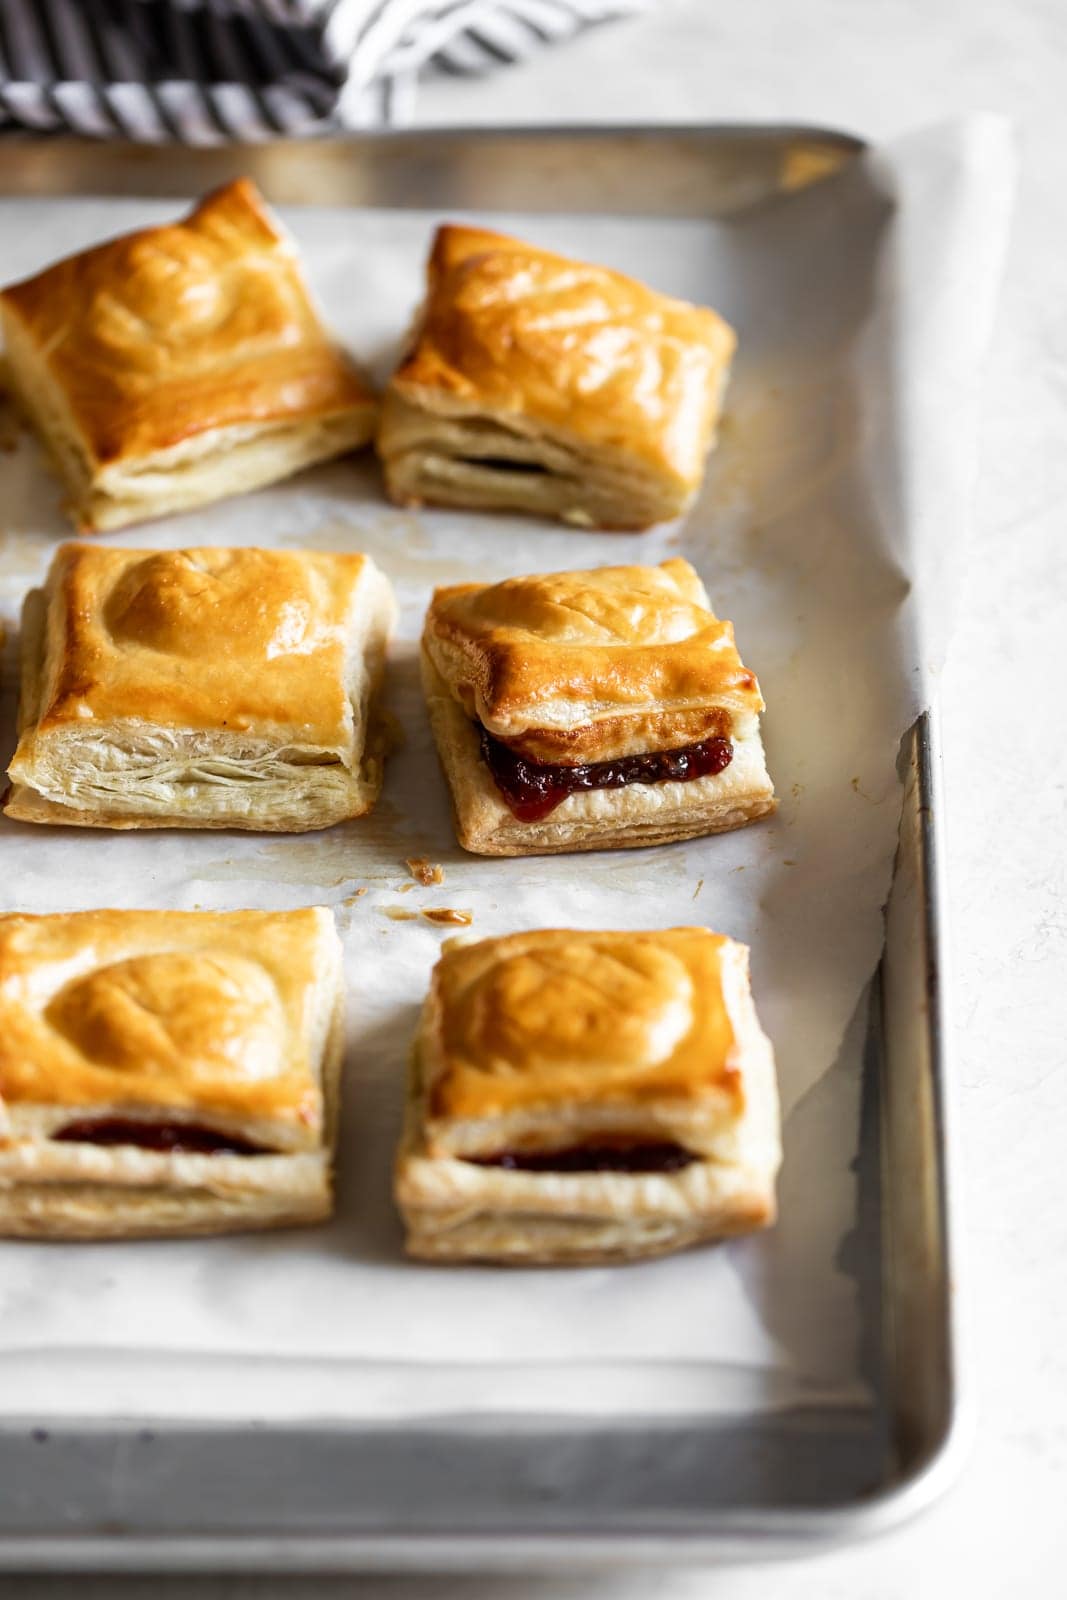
<point>255,642</point>
<point>175,331</point>
<point>574,347</point>
<point>221,1015</point>
<point>565,650</point>
<point>556,1024</point>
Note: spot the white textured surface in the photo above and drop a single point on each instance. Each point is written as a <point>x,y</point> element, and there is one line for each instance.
<point>878,68</point>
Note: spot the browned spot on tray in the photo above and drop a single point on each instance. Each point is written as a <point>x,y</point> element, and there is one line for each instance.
<point>399,913</point>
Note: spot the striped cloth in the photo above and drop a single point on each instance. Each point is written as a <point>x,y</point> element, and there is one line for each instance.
<point>209,71</point>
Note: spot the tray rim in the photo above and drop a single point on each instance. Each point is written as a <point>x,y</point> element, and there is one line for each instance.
<point>122,159</point>
<point>743,1532</point>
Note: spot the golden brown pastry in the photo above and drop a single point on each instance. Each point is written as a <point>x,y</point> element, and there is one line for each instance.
<point>167,1071</point>
<point>534,383</point>
<point>207,688</point>
<point>179,364</point>
<point>588,1097</point>
<point>592,710</point>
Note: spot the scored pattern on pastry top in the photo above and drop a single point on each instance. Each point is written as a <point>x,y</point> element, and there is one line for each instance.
<point>187,1011</point>
<point>203,638</point>
<point>561,651</point>
<point>587,1096</point>
<point>571,345</point>
<point>170,601</point>
<point>174,331</point>
<point>154,296</point>
<point>603,606</point>
<point>563,1017</point>
<point>175,1015</point>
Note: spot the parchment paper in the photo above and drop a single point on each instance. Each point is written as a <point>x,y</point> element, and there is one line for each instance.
<point>830,528</point>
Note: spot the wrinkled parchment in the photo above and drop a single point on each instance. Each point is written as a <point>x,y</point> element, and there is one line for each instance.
<point>830,527</point>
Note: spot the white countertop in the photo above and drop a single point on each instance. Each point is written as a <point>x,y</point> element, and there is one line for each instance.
<point>878,67</point>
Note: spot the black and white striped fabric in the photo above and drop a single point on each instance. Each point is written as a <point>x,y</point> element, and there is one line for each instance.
<point>208,71</point>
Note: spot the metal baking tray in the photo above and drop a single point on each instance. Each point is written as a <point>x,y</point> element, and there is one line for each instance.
<point>507,1492</point>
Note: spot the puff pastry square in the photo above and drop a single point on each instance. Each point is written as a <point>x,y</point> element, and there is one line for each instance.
<point>167,1072</point>
<point>591,711</point>
<point>205,688</point>
<point>588,1097</point>
<point>179,364</point>
<point>538,384</point>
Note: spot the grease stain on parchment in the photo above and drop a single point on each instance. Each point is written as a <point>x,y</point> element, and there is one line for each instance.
<point>325,860</point>
<point>397,540</point>
<point>632,872</point>
<point>23,555</point>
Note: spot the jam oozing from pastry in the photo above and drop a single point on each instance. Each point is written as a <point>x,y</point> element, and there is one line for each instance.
<point>176,1138</point>
<point>503,464</point>
<point>534,788</point>
<point>652,1157</point>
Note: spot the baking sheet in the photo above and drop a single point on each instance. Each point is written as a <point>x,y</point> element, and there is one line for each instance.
<point>834,505</point>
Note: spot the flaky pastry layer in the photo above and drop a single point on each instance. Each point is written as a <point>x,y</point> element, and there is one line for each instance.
<point>638,815</point>
<point>220,1017</point>
<point>494,1223</point>
<point>43,1198</point>
<point>226,1023</point>
<point>592,664</point>
<point>201,688</point>
<point>556,1040</point>
<point>539,384</point>
<point>536,1041</point>
<point>179,364</point>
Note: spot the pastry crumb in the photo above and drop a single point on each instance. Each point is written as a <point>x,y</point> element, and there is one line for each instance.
<point>449,915</point>
<point>698,888</point>
<point>423,871</point>
<point>350,899</point>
